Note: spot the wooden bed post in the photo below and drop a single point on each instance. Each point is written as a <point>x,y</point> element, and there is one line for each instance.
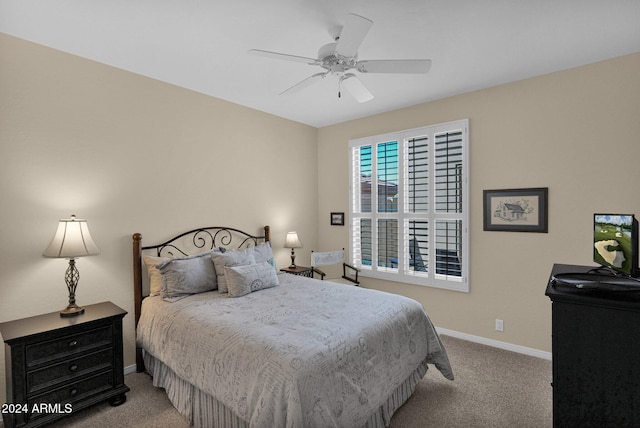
<point>137,292</point>
<point>267,233</point>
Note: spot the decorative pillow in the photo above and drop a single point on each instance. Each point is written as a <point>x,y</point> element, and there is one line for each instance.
<point>263,253</point>
<point>230,258</point>
<point>188,275</point>
<point>155,277</point>
<point>246,279</point>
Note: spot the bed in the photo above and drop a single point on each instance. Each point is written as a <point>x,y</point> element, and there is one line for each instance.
<point>275,349</point>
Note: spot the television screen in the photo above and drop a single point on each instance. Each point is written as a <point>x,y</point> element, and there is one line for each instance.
<point>615,242</point>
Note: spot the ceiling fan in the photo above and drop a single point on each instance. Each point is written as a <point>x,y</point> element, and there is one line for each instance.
<point>341,57</point>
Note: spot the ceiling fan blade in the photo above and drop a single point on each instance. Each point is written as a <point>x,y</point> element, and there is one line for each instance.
<point>304,83</point>
<point>353,33</point>
<point>356,88</point>
<point>409,66</point>
<point>286,57</point>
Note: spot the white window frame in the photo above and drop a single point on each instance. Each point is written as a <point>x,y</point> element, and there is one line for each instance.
<point>402,273</point>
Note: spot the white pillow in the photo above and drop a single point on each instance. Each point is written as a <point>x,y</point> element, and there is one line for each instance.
<point>263,253</point>
<point>246,279</point>
<point>230,258</point>
<point>182,277</point>
<point>155,277</point>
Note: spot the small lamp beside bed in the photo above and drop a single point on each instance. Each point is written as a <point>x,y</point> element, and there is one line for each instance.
<point>292,241</point>
<point>72,240</point>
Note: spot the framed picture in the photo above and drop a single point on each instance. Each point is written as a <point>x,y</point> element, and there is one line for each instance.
<point>516,210</point>
<point>337,219</point>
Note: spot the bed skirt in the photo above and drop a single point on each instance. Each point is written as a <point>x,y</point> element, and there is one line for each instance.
<point>202,410</point>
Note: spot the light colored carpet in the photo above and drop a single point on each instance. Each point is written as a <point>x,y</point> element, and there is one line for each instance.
<point>493,389</point>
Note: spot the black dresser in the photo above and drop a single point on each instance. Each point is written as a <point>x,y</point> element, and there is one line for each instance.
<point>56,366</point>
<point>596,355</point>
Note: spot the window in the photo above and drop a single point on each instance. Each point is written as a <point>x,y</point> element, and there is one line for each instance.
<point>409,206</point>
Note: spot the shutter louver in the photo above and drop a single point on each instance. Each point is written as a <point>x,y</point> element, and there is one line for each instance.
<point>448,172</point>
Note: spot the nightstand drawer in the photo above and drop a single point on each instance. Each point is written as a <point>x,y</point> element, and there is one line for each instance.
<point>37,380</point>
<point>67,346</point>
<point>75,392</point>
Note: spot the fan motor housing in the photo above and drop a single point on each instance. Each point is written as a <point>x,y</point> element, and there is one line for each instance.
<point>332,62</point>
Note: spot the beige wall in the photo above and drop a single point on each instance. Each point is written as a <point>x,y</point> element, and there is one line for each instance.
<point>130,154</point>
<point>576,132</point>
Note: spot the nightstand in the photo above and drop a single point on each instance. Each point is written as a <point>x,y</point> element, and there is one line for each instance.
<point>56,366</point>
<point>299,270</point>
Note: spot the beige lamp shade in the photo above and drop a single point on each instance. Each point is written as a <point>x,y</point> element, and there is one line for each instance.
<point>72,239</point>
<point>292,240</point>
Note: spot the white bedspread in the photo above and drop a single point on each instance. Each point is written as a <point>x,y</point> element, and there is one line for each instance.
<point>306,353</point>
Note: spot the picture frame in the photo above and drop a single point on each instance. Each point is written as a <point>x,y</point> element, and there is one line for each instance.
<point>337,219</point>
<point>516,210</point>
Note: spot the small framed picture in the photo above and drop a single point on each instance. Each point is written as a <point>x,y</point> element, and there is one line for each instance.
<point>337,219</point>
<point>516,210</point>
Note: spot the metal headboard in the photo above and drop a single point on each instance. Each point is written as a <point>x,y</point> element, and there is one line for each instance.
<point>187,243</point>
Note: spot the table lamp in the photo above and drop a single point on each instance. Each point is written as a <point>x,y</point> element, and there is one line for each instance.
<point>72,240</point>
<point>292,241</point>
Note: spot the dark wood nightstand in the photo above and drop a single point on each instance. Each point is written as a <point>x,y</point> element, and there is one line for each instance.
<point>56,366</point>
<point>299,270</point>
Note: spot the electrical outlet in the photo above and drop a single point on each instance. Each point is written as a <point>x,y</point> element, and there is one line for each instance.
<point>499,325</point>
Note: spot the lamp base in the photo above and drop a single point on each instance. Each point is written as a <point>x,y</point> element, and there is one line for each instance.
<point>293,260</point>
<point>71,277</point>
<point>72,311</point>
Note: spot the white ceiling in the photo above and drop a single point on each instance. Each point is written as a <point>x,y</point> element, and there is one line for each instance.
<point>202,44</point>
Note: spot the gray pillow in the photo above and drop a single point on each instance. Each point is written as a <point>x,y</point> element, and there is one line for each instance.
<point>185,276</point>
<point>246,279</point>
<point>230,258</point>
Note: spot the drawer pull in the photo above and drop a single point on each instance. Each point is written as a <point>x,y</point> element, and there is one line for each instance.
<point>73,367</point>
<point>73,344</point>
<point>74,392</point>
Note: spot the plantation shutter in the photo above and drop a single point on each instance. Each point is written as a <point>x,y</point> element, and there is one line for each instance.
<point>408,203</point>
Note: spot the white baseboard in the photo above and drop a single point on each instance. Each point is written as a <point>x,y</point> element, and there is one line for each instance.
<point>130,369</point>
<point>495,343</point>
